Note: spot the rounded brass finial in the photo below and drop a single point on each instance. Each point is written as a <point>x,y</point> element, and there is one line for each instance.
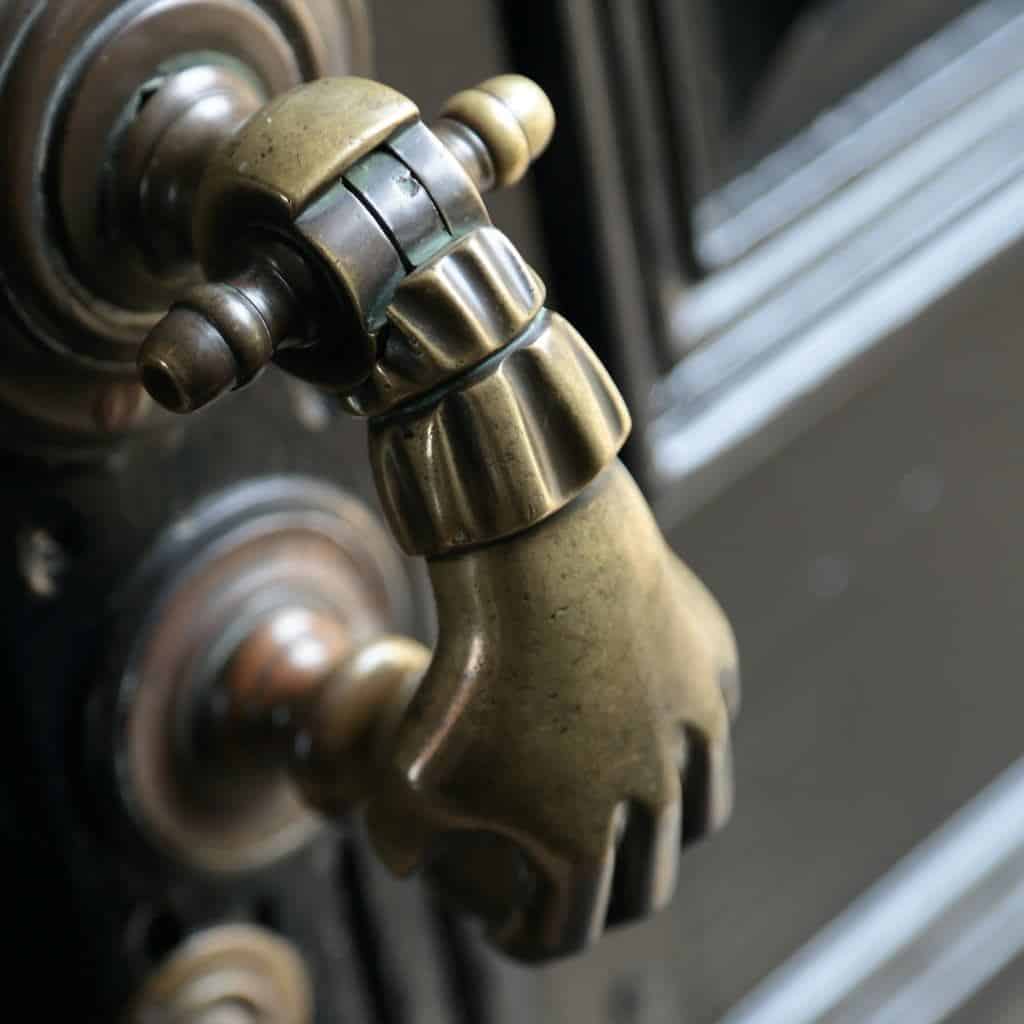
<point>513,117</point>
<point>185,363</point>
<point>217,337</point>
<point>229,974</point>
<point>351,721</point>
<point>531,106</point>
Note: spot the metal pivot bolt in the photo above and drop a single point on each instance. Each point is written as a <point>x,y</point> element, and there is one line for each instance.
<point>219,336</point>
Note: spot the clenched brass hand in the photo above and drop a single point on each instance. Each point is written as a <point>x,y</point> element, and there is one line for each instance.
<point>571,728</point>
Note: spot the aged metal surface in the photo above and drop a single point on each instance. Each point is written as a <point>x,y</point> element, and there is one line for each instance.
<point>78,294</point>
<point>88,38</point>
<point>103,252</point>
<point>301,690</point>
<point>419,356</point>
<point>158,160</point>
<point>515,118</point>
<point>930,601</point>
<point>573,727</point>
<point>576,705</point>
<point>297,146</point>
<point>236,326</point>
<point>346,731</point>
<point>106,906</point>
<point>232,974</point>
<point>254,554</point>
<point>283,173</point>
<point>519,704</point>
<point>546,404</point>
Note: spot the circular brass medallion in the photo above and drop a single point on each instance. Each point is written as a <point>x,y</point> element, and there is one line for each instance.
<point>266,546</point>
<point>79,295</point>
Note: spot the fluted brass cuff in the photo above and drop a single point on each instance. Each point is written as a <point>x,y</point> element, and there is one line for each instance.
<point>447,317</point>
<point>504,448</point>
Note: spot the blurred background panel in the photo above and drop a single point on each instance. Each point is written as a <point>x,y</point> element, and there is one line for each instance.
<point>794,232</point>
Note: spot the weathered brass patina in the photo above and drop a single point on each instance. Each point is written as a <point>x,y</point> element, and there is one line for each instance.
<point>91,266</point>
<point>572,728</point>
<point>233,974</point>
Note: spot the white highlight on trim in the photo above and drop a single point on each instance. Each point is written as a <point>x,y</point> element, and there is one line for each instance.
<point>835,341</point>
<point>899,909</point>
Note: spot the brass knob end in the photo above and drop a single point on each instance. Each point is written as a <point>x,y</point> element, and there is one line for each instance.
<point>349,723</point>
<point>219,336</point>
<point>285,658</point>
<point>185,362</point>
<point>231,974</point>
<point>165,149</point>
<point>513,118</point>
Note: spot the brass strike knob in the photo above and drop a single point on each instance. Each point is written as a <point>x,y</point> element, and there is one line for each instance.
<point>297,690</point>
<point>498,128</point>
<point>571,729</point>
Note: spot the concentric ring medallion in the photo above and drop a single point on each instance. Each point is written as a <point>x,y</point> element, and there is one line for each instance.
<point>76,287</point>
<point>271,545</point>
